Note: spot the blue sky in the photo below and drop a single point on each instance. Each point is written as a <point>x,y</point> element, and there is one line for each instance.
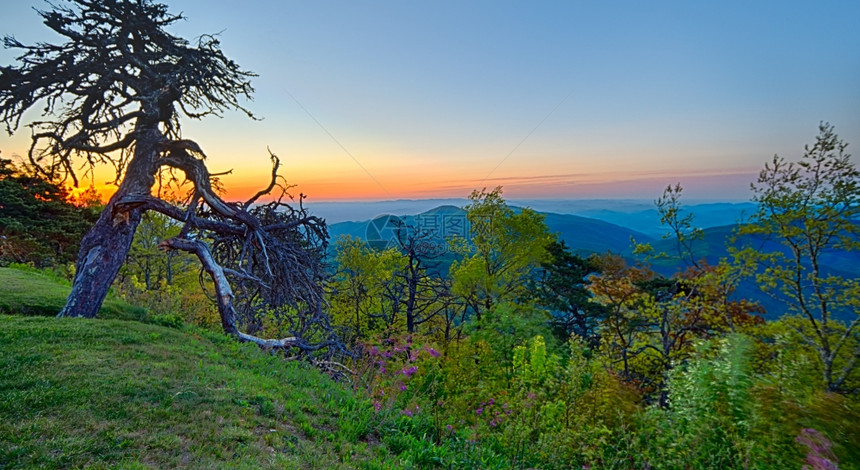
<point>386,100</point>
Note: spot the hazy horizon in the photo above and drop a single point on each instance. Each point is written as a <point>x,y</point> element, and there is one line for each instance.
<point>602,209</point>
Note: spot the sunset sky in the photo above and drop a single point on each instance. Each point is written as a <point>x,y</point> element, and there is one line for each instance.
<point>406,99</point>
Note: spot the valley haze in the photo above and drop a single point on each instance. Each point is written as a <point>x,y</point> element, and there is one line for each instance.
<point>636,214</point>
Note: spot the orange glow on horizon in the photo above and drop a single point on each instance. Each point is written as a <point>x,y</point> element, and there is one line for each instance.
<point>343,185</point>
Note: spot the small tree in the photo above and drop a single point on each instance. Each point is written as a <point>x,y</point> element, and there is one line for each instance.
<point>681,228</point>
<point>358,285</point>
<point>427,293</point>
<point>508,247</point>
<point>113,93</point>
<point>812,208</point>
<point>563,289</point>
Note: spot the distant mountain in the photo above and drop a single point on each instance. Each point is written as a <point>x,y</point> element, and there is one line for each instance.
<point>648,220</point>
<point>638,215</point>
<point>586,235</point>
<point>582,234</point>
<point>336,212</point>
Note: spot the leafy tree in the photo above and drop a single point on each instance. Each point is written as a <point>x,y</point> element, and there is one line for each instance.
<point>812,208</point>
<point>624,328</point>
<point>681,228</point>
<point>38,221</point>
<point>563,290</point>
<point>697,302</point>
<point>372,289</point>
<point>145,259</point>
<point>115,93</point>
<point>507,246</point>
<point>358,285</point>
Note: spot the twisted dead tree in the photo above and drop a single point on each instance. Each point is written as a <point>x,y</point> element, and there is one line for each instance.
<point>113,93</point>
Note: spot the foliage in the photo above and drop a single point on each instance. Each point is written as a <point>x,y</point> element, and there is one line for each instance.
<point>625,327</point>
<point>357,289</point>
<point>506,247</point>
<point>654,319</point>
<point>681,228</point>
<point>39,220</point>
<point>812,207</point>
<point>168,284</point>
<point>563,290</point>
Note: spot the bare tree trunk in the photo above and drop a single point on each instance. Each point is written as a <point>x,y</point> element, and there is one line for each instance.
<point>104,249</point>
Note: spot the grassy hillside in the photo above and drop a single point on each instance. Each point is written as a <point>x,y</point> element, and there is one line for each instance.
<point>122,394</point>
<point>32,292</point>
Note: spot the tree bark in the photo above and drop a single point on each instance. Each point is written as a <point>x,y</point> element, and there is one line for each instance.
<point>104,249</point>
<point>224,296</point>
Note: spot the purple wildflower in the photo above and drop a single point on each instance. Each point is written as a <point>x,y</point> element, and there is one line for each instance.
<point>479,411</point>
<point>819,455</point>
<point>408,372</point>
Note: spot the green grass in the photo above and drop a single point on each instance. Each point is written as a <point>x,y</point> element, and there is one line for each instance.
<point>33,292</point>
<point>118,394</point>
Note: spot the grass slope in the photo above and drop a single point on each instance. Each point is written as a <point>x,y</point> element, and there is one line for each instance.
<point>32,292</point>
<point>120,394</point>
